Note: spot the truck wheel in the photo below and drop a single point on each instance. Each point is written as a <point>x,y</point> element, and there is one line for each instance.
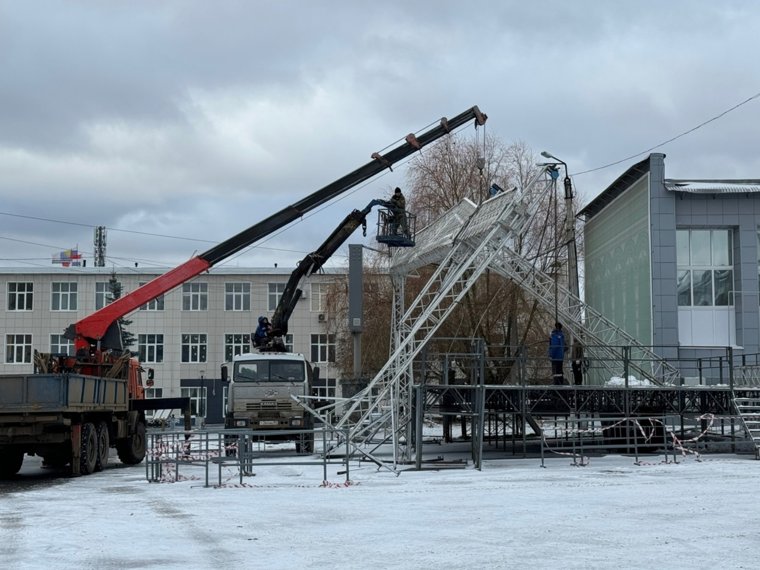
<point>10,462</point>
<point>305,443</point>
<point>230,445</point>
<point>104,445</point>
<point>131,450</point>
<point>88,452</point>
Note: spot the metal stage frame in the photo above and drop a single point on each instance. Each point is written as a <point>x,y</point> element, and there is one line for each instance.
<point>529,407</point>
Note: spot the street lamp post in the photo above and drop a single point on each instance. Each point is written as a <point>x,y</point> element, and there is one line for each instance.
<point>569,229</point>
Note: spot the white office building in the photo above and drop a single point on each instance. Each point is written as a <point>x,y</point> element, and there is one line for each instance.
<point>185,335</point>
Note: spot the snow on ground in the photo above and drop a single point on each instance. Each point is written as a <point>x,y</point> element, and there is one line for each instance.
<point>512,514</point>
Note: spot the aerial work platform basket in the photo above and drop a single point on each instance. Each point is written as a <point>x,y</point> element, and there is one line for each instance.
<point>396,229</point>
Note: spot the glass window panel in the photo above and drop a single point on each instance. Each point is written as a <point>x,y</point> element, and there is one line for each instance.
<point>684,288</point>
<point>682,247</point>
<point>702,288</point>
<point>700,247</point>
<point>724,287</point>
<point>721,247</point>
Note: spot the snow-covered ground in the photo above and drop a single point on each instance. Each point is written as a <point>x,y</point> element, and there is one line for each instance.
<point>512,514</point>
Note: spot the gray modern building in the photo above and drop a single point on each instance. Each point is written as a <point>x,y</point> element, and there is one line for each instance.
<point>184,335</point>
<point>675,263</point>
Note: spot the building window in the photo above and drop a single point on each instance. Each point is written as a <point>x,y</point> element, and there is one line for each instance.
<point>195,296</point>
<point>323,348</point>
<point>18,348</point>
<point>324,388</point>
<point>236,343</point>
<point>237,296</point>
<point>705,268</point>
<point>156,304</point>
<point>103,294</point>
<point>197,400</point>
<point>275,294</point>
<point>194,347</point>
<point>64,297</point>
<point>289,342</point>
<point>758,258</point>
<point>318,293</point>
<point>59,344</point>
<point>153,393</point>
<point>20,296</point>
<point>151,347</point>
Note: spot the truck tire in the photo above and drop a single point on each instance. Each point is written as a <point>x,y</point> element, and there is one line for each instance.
<point>131,450</point>
<point>307,446</point>
<point>88,451</point>
<point>10,462</point>
<point>305,441</point>
<point>104,445</point>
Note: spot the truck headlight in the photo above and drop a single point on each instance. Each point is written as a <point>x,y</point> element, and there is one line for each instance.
<point>241,423</point>
<point>295,422</point>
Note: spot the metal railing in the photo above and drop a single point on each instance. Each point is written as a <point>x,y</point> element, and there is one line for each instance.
<point>230,455</point>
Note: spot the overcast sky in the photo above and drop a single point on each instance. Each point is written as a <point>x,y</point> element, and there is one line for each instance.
<point>196,119</point>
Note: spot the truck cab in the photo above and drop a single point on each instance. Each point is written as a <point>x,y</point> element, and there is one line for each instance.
<point>260,390</point>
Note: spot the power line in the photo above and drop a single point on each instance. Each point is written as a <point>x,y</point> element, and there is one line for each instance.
<point>699,126</point>
<point>54,221</point>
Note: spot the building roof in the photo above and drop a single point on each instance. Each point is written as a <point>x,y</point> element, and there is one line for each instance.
<point>620,185</point>
<point>713,186</point>
<point>74,270</point>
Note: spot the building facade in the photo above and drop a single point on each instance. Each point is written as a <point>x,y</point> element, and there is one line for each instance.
<point>185,335</point>
<point>675,263</point>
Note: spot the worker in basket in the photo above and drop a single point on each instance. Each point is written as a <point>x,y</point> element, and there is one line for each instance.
<point>398,207</point>
<point>261,336</point>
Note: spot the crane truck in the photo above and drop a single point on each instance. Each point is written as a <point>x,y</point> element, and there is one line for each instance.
<point>72,410</point>
<point>259,396</point>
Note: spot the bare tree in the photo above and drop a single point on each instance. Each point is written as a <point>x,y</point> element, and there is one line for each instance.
<point>496,309</point>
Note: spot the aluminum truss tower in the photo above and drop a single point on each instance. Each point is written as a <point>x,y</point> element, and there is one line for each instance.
<point>464,242</point>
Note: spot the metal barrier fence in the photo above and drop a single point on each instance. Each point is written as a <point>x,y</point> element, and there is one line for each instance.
<point>232,454</point>
<point>470,361</point>
<point>574,436</point>
<point>610,418</point>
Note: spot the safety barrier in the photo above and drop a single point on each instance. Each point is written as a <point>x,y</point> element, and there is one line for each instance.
<point>574,436</point>
<point>232,454</point>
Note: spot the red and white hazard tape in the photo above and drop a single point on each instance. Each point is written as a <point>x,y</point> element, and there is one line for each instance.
<point>647,434</point>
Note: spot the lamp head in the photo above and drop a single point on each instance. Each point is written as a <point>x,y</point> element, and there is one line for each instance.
<point>547,154</point>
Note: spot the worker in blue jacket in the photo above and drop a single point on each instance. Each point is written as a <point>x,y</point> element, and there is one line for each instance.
<point>557,350</point>
<point>261,335</point>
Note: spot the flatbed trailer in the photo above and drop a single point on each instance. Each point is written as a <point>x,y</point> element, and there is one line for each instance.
<point>73,419</point>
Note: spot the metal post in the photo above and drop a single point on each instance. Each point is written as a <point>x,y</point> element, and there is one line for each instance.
<point>481,394</point>
<point>324,454</point>
<point>418,392</point>
<point>347,431</point>
<point>627,398</point>
<point>730,358</point>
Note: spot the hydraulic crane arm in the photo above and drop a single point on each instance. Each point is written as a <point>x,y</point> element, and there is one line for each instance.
<point>314,262</point>
<point>92,330</point>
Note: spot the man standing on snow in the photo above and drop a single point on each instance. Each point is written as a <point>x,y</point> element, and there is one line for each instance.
<point>557,349</point>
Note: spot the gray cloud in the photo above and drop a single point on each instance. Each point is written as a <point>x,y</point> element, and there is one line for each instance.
<point>198,119</point>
